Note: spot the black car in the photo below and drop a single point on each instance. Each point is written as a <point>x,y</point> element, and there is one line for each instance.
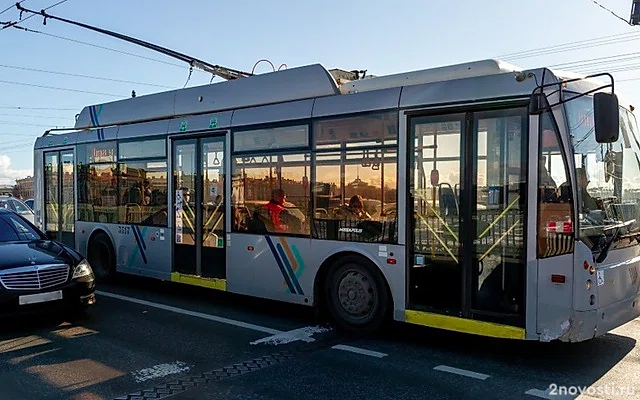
<point>38,273</point>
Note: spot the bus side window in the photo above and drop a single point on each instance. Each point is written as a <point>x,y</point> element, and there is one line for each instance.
<point>555,219</point>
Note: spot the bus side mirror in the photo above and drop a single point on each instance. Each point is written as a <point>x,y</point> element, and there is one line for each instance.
<point>635,13</point>
<point>606,115</point>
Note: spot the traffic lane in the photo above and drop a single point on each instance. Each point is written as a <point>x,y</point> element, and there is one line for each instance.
<point>610,360</point>
<point>278,315</point>
<point>121,348</point>
<point>415,362</point>
<point>331,374</point>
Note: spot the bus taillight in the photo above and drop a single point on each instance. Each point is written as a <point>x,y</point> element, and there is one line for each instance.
<point>558,278</point>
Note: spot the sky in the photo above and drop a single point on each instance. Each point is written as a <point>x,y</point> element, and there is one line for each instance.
<point>379,36</point>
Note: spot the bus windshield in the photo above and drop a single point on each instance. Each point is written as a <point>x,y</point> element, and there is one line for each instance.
<point>608,176</point>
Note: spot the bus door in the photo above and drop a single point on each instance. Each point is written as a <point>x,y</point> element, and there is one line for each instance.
<point>59,195</point>
<point>467,203</point>
<point>199,208</point>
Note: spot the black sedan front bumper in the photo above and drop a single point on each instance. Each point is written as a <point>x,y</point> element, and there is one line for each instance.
<point>76,295</point>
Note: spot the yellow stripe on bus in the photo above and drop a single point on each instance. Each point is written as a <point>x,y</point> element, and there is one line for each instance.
<point>211,283</point>
<point>457,324</point>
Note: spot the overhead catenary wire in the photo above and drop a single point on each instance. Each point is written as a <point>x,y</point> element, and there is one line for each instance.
<point>223,72</point>
<point>21,123</point>
<point>83,76</point>
<point>102,47</point>
<point>36,108</point>
<point>11,6</point>
<point>18,5</point>
<point>575,45</point>
<point>60,88</point>
<point>34,116</point>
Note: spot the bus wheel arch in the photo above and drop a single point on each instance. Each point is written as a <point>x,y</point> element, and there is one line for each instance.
<point>101,255</point>
<point>349,283</point>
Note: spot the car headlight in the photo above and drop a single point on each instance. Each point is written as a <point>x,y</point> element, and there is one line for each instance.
<point>82,269</point>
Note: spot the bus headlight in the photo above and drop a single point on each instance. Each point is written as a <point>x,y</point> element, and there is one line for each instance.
<point>82,269</point>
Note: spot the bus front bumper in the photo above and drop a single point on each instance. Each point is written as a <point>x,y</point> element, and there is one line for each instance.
<point>617,314</point>
<point>585,325</point>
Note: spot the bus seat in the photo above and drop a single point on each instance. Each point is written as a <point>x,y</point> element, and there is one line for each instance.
<point>448,201</point>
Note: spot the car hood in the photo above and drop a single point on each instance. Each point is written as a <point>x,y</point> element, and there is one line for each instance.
<point>37,252</point>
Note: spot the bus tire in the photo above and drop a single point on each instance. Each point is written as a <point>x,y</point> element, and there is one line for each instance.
<point>356,295</point>
<point>101,257</point>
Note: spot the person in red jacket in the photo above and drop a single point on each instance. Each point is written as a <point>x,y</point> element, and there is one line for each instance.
<point>275,208</point>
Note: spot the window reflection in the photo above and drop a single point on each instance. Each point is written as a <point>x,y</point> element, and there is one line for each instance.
<point>366,130</point>
<point>134,191</point>
<point>270,193</point>
<point>143,189</point>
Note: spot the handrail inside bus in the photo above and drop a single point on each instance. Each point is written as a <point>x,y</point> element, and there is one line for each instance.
<point>499,240</point>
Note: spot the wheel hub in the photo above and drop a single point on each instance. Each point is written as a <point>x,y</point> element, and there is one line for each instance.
<point>356,294</point>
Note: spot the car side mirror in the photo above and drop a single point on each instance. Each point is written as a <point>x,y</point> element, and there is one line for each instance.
<point>606,113</point>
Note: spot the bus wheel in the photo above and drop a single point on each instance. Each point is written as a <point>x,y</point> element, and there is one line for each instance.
<point>101,257</point>
<point>356,294</point>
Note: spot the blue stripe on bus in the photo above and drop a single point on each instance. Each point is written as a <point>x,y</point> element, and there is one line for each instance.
<point>141,235</point>
<point>92,116</point>
<point>138,241</point>
<point>282,270</point>
<point>287,264</point>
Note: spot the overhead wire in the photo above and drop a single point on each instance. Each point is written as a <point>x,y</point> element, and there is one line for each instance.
<point>103,47</point>
<point>575,45</point>
<point>11,6</point>
<point>14,23</point>
<point>83,76</point>
<point>60,88</point>
<point>21,123</point>
<point>36,108</point>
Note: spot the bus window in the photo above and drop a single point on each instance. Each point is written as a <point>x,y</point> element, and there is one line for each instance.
<point>355,187</point>
<point>555,226</point>
<point>270,193</point>
<point>97,183</point>
<point>379,129</point>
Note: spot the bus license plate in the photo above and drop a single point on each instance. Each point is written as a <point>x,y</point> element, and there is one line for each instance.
<point>40,297</point>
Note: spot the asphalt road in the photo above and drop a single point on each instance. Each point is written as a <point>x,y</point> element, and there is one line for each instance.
<point>145,339</point>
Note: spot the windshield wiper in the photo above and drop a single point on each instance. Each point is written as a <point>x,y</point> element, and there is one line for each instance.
<point>616,232</point>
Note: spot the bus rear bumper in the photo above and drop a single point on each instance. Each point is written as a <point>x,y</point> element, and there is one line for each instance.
<point>617,314</point>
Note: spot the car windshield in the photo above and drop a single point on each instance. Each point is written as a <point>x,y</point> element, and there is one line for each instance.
<point>15,229</point>
<point>608,174</point>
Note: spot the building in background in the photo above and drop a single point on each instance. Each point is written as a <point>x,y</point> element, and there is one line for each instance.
<point>24,188</point>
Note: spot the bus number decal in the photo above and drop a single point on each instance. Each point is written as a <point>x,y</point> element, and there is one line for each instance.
<point>124,230</point>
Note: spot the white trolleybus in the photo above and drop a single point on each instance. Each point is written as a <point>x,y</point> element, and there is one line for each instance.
<point>478,197</point>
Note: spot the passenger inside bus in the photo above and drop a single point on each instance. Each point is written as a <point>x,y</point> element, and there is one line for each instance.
<point>354,210</point>
<point>274,216</point>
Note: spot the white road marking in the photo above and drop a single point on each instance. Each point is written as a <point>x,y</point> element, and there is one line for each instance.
<point>196,314</point>
<point>158,371</point>
<point>303,334</point>
<point>546,394</point>
<point>463,372</point>
<point>539,393</point>
<point>359,350</point>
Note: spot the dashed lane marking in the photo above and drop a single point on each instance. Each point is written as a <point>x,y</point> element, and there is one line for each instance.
<point>358,350</point>
<point>196,314</point>
<point>546,394</point>
<point>463,372</point>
